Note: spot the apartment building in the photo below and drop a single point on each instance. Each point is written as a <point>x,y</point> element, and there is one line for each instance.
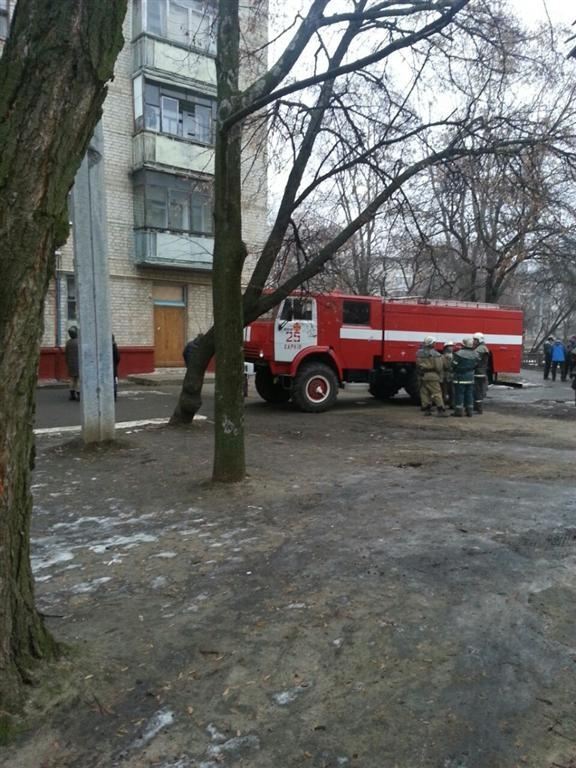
<point>159,163</point>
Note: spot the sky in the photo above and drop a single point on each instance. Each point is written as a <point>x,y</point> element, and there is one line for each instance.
<point>534,11</point>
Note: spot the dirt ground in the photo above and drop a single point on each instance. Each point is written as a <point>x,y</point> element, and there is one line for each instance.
<point>385,591</point>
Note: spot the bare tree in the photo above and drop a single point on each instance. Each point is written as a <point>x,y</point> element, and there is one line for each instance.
<point>53,75</point>
<point>315,87</point>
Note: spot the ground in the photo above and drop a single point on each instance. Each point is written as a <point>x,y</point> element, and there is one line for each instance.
<point>386,590</point>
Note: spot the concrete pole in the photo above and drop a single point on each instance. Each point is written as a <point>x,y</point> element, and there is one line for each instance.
<point>91,271</point>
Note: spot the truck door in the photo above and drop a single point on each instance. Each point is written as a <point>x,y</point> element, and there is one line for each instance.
<point>295,328</point>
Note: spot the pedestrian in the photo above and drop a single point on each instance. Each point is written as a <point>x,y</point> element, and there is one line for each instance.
<point>190,347</point>
<point>573,385</point>
<point>548,344</point>
<point>115,363</point>
<point>448,379</point>
<point>430,369</point>
<point>71,354</point>
<point>481,373</point>
<point>464,363</point>
<point>559,359</point>
<point>571,355</point>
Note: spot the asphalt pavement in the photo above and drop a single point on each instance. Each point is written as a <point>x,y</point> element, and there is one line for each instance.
<point>136,402</point>
<point>54,409</point>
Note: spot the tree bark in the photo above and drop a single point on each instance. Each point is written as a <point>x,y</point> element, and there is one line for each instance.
<point>229,256</point>
<point>52,84</point>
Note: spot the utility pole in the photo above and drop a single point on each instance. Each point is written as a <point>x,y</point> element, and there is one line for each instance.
<point>91,274</point>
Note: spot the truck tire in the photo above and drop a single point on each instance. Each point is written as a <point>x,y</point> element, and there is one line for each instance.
<point>315,388</point>
<point>383,390</point>
<point>269,388</point>
<point>412,387</point>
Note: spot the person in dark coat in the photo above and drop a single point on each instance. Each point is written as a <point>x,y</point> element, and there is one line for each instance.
<point>464,361</point>
<point>190,347</point>
<point>115,363</point>
<point>548,344</point>
<point>71,354</point>
<point>481,373</point>
<point>559,359</point>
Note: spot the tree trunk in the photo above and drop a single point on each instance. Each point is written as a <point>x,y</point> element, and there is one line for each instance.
<point>52,85</point>
<point>229,255</point>
<point>190,399</point>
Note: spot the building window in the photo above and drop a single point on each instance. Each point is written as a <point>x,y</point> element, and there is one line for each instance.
<point>356,313</point>
<point>166,202</point>
<point>71,303</point>
<point>173,111</point>
<point>188,22</point>
<point>4,19</point>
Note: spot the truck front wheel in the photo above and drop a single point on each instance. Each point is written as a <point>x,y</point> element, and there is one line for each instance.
<point>315,388</point>
<point>269,388</point>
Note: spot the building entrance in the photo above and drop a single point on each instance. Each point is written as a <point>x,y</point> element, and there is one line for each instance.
<point>169,325</point>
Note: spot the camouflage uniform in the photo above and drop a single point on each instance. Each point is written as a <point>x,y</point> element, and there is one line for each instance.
<point>448,378</point>
<point>481,375</point>
<point>430,367</point>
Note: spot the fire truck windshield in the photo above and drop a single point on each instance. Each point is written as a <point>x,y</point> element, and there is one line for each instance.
<point>296,309</point>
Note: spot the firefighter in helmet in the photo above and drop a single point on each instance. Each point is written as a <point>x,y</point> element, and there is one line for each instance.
<point>464,363</point>
<point>481,373</point>
<point>430,368</point>
<point>448,379</point>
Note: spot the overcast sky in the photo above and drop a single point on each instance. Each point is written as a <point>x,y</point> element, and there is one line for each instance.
<point>559,11</point>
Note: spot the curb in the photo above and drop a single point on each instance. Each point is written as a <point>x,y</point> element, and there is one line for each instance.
<point>159,422</point>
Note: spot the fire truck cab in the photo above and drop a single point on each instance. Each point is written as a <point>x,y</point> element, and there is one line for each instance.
<point>316,343</point>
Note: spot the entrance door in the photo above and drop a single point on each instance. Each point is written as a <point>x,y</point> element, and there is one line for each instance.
<point>169,326</point>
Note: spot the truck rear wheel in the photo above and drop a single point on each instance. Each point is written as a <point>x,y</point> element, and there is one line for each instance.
<point>412,387</point>
<point>315,388</point>
<point>383,390</point>
<point>269,388</point>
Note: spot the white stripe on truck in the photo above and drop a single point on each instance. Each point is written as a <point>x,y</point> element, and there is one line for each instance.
<point>371,334</point>
<point>418,336</point>
<point>366,334</point>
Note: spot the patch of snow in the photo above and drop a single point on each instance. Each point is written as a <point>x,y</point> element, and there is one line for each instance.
<point>214,733</point>
<point>234,744</point>
<point>160,720</point>
<point>41,563</point>
<point>159,582</point>
<point>167,555</point>
<point>282,698</point>
<point>294,606</point>
<point>89,586</point>
<point>122,541</point>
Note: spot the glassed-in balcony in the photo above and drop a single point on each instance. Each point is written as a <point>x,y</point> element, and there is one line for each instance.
<point>158,56</point>
<point>159,150</point>
<point>173,250</point>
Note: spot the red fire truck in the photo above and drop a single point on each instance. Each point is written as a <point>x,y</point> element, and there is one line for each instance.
<point>314,344</point>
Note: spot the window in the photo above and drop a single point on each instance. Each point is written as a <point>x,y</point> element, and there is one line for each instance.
<point>173,111</point>
<point>71,303</point>
<point>356,313</point>
<point>169,295</point>
<point>187,22</point>
<point>162,201</point>
<point>297,309</point>
<point>4,19</point>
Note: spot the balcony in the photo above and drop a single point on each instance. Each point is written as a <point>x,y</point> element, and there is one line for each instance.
<point>158,150</point>
<point>177,63</point>
<point>173,250</point>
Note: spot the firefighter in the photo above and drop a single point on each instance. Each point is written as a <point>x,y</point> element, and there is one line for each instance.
<point>464,363</point>
<point>481,373</point>
<point>430,367</point>
<point>448,379</point>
